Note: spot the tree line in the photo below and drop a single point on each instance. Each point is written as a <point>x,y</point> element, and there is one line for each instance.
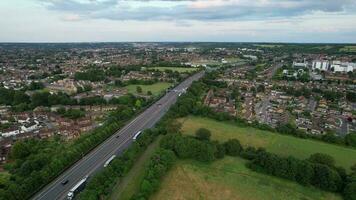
<point>318,170</point>
<point>20,101</point>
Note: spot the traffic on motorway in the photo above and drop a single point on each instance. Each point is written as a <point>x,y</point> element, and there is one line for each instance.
<point>73,180</point>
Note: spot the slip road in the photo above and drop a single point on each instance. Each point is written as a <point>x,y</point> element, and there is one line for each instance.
<point>94,161</point>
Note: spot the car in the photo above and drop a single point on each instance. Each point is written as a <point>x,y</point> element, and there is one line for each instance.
<point>159,105</point>
<point>64,182</point>
<point>117,136</point>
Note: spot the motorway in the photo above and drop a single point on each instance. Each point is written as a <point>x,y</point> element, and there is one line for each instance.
<point>94,161</point>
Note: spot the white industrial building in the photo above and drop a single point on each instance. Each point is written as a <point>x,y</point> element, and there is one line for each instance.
<point>344,67</point>
<point>321,65</point>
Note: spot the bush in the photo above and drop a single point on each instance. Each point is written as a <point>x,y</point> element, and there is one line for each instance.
<point>203,134</point>
<point>233,147</point>
<point>322,159</point>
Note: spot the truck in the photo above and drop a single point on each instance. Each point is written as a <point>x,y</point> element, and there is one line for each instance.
<point>77,188</point>
<point>136,135</point>
<point>109,160</point>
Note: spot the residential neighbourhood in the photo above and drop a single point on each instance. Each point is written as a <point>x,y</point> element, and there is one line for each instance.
<point>63,96</point>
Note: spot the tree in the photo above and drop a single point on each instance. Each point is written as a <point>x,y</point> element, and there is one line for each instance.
<point>146,187</point>
<point>261,88</point>
<point>139,89</point>
<point>350,139</point>
<point>203,134</point>
<point>304,173</point>
<point>350,191</point>
<point>326,178</point>
<point>20,150</point>
<point>149,93</point>
<point>36,86</point>
<point>138,103</point>
<point>40,99</point>
<point>233,147</point>
<point>220,151</point>
<point>20,97</point>
<point>173,126</point>
<point>322,159</point>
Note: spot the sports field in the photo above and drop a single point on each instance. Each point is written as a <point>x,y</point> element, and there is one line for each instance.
<point>229,179</point>
<point>155,88</point>
<point>177,69</point>
<point>273,142</point>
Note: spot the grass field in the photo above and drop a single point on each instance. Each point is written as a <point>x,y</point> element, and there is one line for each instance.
<point>233,60</point>
<point>156,88</point>
<point>131,182</point>
<point>348,49</point>
<point>280,144</point>
<point>229,179</point>
<point>178,69</point>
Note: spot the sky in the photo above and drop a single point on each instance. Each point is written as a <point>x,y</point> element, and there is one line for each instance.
<point>304,21</point>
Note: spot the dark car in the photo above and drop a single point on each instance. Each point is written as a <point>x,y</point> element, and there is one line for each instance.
<point>64,182</point>
<point>117,136</point>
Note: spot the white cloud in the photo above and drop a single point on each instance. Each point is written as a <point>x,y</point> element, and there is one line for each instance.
<point>63,21</point>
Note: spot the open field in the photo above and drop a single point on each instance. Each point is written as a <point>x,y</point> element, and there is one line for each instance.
<point>280,144</point>
<point>348,49</point>
<point>131,182</point>
<point>155,88</point>
<point>233,59</point>
<point>229,179</point>
<point>178,69</point>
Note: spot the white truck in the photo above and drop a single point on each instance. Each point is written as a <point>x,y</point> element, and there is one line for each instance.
<point>77,188</point>
<point>109,160</point>
<point>136,135</point>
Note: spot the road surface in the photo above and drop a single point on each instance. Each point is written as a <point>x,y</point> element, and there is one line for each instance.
<point>95,160</point>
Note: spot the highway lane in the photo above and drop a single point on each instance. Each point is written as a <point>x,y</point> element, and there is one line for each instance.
<point>94,161</point>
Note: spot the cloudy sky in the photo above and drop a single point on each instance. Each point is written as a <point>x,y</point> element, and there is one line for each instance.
<point>325,21</point>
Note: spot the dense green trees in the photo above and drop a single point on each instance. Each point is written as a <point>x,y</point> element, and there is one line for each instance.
<point>350,139</point>
<point>323,159</point>
<point>189,147</point>
<point>93,75</point>
<point>350,191</point>
<point>351,96</point>
<point>35,86</point>
<point>71,113</point>
<point>85,88</point>
<point>305,172</point>
<point>159,164</point>
<point>12,97</point>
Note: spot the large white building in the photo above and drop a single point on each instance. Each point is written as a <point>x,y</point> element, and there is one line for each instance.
<point>321,65</point>
<point>344,67</point>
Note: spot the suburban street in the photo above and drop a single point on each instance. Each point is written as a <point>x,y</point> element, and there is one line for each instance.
<point>94,161</point>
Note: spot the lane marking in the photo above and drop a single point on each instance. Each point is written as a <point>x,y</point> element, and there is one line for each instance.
<point>91,155</point>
